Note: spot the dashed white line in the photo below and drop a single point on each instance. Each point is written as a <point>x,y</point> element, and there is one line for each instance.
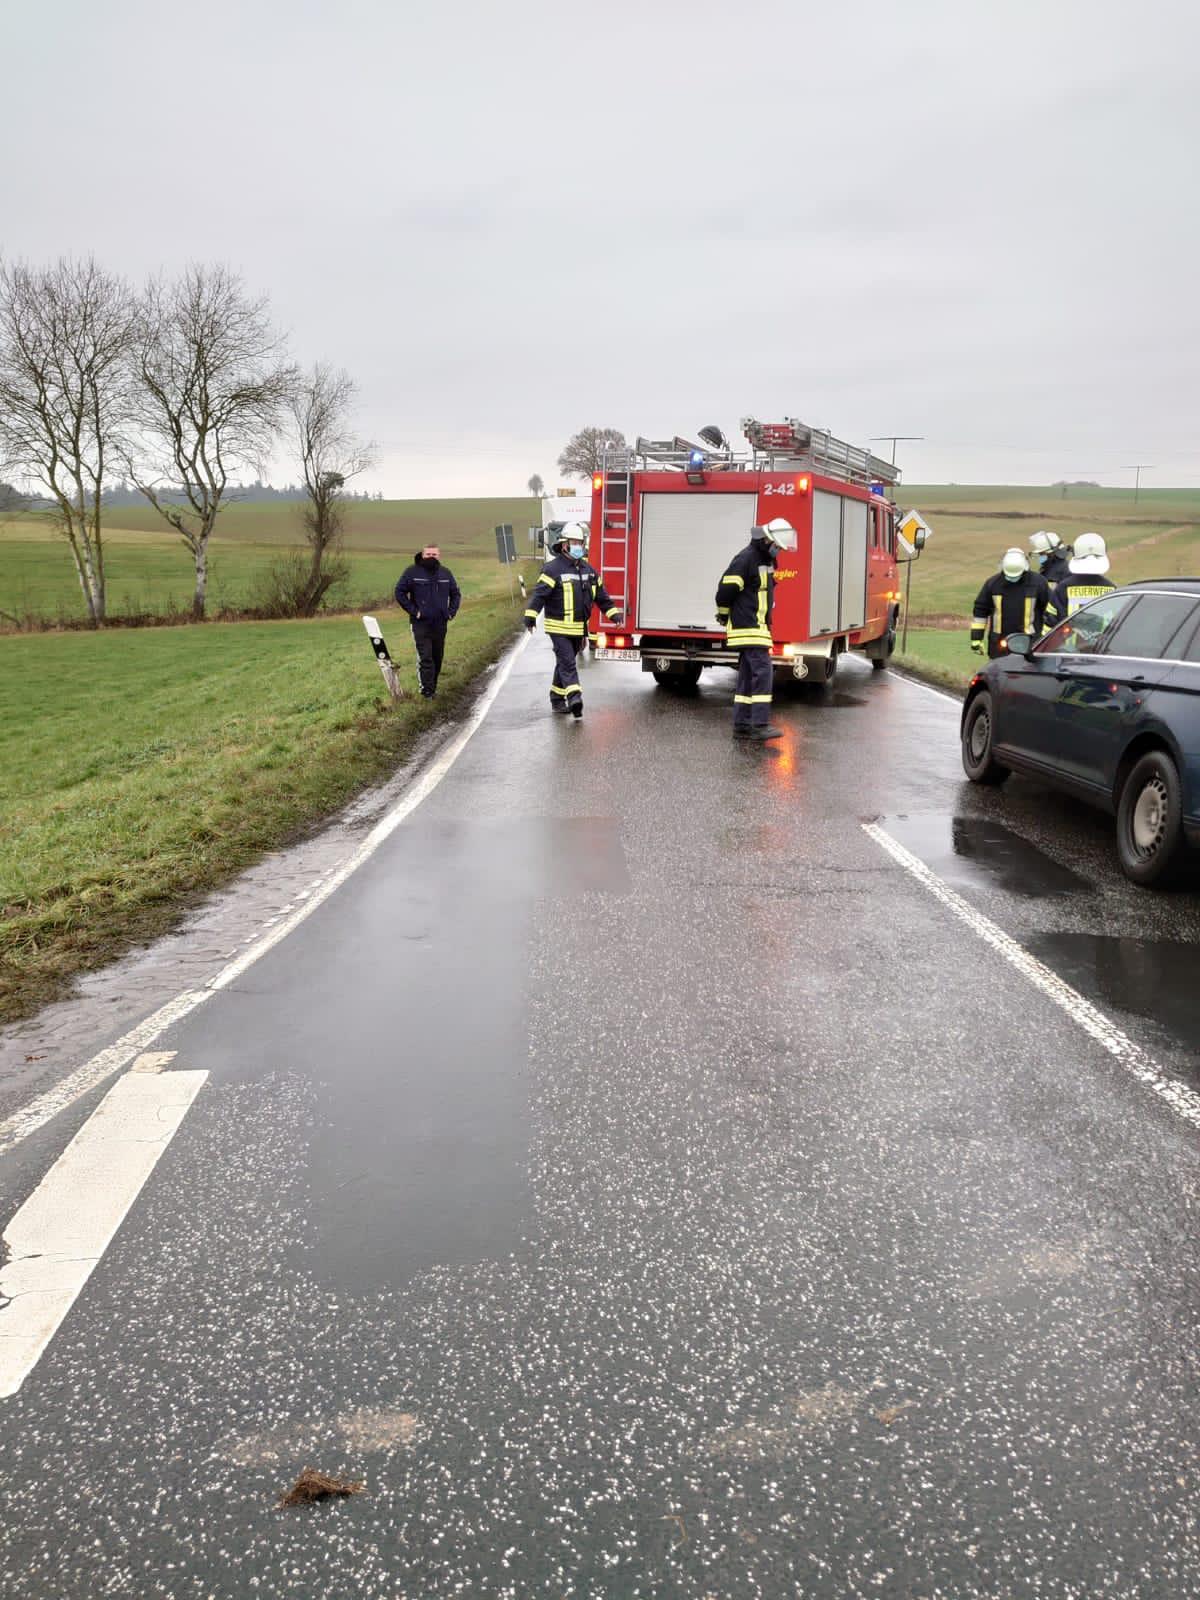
<point>1183,1101</point>
<point>94,1072</point>
<point>55,1240</point>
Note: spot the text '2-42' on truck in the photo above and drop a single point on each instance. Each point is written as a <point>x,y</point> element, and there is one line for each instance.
<point>667,516</point>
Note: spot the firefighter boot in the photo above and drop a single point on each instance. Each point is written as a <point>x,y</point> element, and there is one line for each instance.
<point>761,735</point>
<point>577,707</point>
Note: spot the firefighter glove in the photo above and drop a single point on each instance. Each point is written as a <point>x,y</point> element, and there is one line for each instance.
<point>530,625</point>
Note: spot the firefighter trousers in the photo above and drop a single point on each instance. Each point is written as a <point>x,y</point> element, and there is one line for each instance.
<point>752,693</point>
<point>564,686</point>
<point>430,640</point>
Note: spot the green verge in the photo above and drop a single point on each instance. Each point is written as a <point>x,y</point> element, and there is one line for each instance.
<point>939,655</point>
<point>140,770</point>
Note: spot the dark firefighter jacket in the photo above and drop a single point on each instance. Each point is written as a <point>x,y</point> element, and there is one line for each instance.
<point>565,593</point>
<point>1056,566</point>
<point>746,597</point>
<point>1076,589</point>
<point>1002,608</point>
<point>429,594</point>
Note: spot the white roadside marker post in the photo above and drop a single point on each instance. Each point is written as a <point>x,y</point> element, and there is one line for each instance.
<point>386,665</point>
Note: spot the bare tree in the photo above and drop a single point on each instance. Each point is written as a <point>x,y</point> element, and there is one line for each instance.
<point>210,386</point>
<point>583,453</point>
<point>535,486</point>
<point>330,454</point>
<point>64,340</point>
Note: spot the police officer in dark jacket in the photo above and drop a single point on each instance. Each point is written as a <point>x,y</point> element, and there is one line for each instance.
<point>428,592</point>
<point>566,590</point>
<point>1050,555</point>
<point>1013,601</point>
<point>745,601</point>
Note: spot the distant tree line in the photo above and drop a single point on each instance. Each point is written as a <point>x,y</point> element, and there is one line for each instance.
<point>167,395</point>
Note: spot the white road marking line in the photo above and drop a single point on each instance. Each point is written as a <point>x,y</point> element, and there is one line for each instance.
<point>63,1229</point>
<point>942,694</point>
<point>1183,1101</point>
<point>39,1111</point>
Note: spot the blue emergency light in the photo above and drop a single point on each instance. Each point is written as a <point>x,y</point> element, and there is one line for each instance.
<point>876,488</point>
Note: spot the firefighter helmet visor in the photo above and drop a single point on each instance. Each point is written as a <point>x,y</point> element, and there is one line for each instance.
<point>778,532</point>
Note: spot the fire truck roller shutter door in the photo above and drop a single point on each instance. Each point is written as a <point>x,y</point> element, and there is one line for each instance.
<point>686,539</point>
<point>825,590</point>
<point>853,611</point>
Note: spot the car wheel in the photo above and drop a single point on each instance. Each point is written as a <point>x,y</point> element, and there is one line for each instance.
<point>1150,842</point>
<point>977,760</point>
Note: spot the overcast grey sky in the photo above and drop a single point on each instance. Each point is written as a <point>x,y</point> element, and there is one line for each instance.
<point>976,222</point>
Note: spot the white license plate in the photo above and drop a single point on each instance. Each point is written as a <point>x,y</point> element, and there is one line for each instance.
<point>618,655</point>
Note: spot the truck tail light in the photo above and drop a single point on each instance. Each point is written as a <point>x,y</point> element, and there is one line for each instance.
<point>597,480</point>
<point>802,484</point>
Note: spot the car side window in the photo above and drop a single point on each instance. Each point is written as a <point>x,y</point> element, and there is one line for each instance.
<point>1148,631</point>
<point>1192,651</point>
<point>1081,634</point>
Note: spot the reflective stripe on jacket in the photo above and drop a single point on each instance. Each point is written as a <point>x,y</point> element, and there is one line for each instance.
<point>1003,607</point>
<point>746,598</point>
<point>565,593</point>
<point>1074,592</point>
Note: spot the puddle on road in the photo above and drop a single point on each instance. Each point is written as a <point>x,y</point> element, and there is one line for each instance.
<point>1151,978</point>
<point>977,852</point>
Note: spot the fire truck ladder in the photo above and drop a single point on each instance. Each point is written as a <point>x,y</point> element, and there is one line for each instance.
<point>792,442</point>
<point>615,512</point>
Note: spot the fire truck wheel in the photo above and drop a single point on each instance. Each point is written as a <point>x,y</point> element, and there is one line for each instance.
<point>888,650</point>
<point>823,669</point>
<point>977,743</point>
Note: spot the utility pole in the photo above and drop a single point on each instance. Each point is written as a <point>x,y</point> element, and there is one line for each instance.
<point>1137,468</point>
<point>901,438</point>
<point>896,438</point>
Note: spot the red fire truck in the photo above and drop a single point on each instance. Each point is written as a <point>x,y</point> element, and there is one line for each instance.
<point>667,515</point>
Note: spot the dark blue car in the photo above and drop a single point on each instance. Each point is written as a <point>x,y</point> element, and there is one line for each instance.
<point>1107,707</point>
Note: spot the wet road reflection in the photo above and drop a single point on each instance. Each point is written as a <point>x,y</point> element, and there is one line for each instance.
<point>976,851</point>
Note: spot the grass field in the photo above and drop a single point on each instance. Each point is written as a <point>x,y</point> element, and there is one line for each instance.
<point>973,526</point>
<point>138,769</point>
<point>150,571</point>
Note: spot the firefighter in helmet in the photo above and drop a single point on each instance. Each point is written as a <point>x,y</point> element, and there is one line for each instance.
<point>565,593</point>
<point>1050,554</point>
<point>1086,580</point>
<point>1013,600</point>
<point>745,598</point>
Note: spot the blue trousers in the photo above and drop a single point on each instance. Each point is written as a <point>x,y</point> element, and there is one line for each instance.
<point>564,686</point>
<point>752,694</point>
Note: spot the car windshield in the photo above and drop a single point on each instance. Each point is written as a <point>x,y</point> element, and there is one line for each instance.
<point>1083,631</point>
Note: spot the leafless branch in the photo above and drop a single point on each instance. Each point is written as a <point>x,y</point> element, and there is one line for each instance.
<point>210,386</point>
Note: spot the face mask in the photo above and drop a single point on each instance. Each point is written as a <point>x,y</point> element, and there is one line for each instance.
<point>575,551</point>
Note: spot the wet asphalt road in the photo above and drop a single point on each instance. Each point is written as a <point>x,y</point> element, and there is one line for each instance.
<point>647,1188</point>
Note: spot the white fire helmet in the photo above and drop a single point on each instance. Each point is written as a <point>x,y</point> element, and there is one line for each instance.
<point>778,531</point>
<point>1043,542</point>
<point>1015,564</point>
<point>1091,555</point>
<point>565,533</point>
